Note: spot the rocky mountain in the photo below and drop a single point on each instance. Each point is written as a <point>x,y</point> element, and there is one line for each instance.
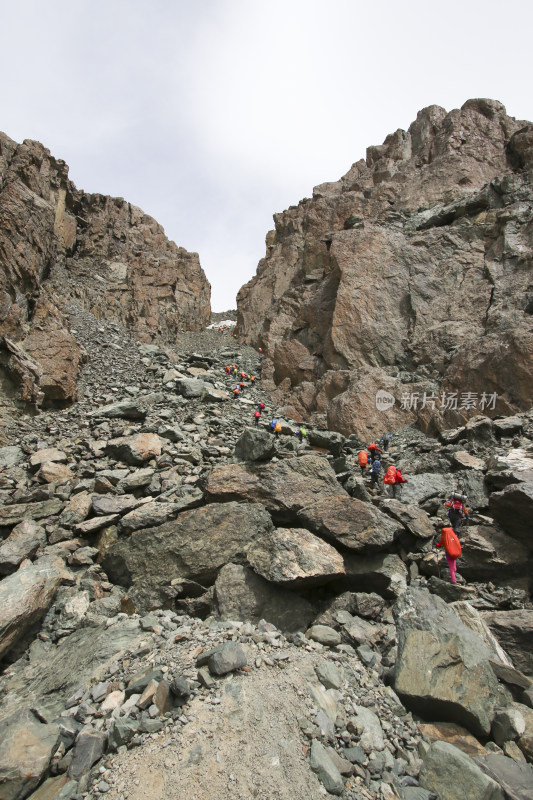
<point>410,275</point>
<point>59,244</point>
<point>188,600</point>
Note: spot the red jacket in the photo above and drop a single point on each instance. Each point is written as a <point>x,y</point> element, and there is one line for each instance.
<point>399,477</point>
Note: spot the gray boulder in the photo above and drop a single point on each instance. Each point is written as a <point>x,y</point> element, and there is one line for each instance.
<point>255,444</point>
<point>193,546</point>
<point>442,669</point>
<point>227,658</point>
<point>450,773</point>
<point>241,594</point>
<point>515,778</point>
<point>384,574</point>
<point>512,508</point>
<point>322,763</point>
<point>514,631</point>
<point>131,408</point>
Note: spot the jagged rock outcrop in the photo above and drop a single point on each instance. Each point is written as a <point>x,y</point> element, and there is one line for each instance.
<point>58,243</point>
<point>409,275</point>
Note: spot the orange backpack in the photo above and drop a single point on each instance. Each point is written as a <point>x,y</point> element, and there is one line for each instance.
<point>390,475</point>
<point>451,543</point>
<point>362,458</point>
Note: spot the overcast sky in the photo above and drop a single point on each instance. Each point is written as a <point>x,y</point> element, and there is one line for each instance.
<point>213,115</point>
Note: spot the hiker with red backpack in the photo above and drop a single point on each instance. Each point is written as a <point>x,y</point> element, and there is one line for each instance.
<point>257,417</point>
<point>373,449</point>
<point>457,510</point>
<point>452,548</point>
<point>362,459</point>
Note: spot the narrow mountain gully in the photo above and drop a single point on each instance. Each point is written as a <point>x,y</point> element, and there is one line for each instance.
<point>192,607</point>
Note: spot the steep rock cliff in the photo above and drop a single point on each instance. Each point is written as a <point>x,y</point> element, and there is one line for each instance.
<point>411,274</point>
<point>59,244</point>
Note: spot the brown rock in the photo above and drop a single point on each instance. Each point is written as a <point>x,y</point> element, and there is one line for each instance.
<point>51,472</point>
<point>57,242</point>
<point>351,523</point>
<point>355,292</point>
<point>136,449</point>
<point>294,557</point>
<point>23,542</point>
<point>48,455</point>
<point>283,487</point>
<point>453,734</point>
<point>25,597</point>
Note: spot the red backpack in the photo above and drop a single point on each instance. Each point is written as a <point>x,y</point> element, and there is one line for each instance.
<point>390,475</point>
<point>452,545</point>
<point>362,458</point>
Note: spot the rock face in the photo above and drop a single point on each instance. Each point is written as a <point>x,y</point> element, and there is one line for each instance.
<point>414,260</point>
<point>58,243</point>
<point>434,649</point>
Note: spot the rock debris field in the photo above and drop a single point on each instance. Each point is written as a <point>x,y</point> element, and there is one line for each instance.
<point>191,607</point>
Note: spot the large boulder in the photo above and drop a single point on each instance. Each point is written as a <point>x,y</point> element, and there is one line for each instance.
<point>255,444</point>
<point>295,557</point>
<point>447,770</point>
<point>27,745</point>
<point>283,487</point>
<point>515,779</point>
<point>414,519</point>
<point>513,509</point>
<point>243,595</point>
<point>351,523</point>
<point>134,449</point>
<point>490,554</point>
<point>193,546</point>
<point>381,573</point>
<point>23,542</point>
<point>55,672</point>
<point>514,631</point>
<point>25,597</point>
<point>442,670</point>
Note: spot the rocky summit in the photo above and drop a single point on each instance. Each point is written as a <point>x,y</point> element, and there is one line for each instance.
<point>410,276</point>
<point>200,603</point>
<point>59,245</point>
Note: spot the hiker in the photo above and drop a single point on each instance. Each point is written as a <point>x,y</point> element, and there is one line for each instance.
<point>277,430</point>
<point>257,417</point>
<point>251,379</point>
<point>362,459</point>
<point>452,548</point>
<point>261,406</point>
<point>390,479</point>
<point>242,386</point>
<point>236,392</point>
<point>385,441</point>
<point>272,425</point>
<point>300,433</point>
<point>373,450</point>
<point>397,485</point>
<point>457,510</point>
<point>375,469</point>
<point>227,369</point>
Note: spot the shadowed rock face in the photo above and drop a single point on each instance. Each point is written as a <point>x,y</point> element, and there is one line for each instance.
<point>58,244</point>
<point>415,264</point>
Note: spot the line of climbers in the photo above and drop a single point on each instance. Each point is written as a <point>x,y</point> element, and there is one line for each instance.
<point>393,479</point>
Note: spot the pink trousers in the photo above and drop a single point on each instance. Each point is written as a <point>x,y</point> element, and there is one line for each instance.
<point>452,566</point>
